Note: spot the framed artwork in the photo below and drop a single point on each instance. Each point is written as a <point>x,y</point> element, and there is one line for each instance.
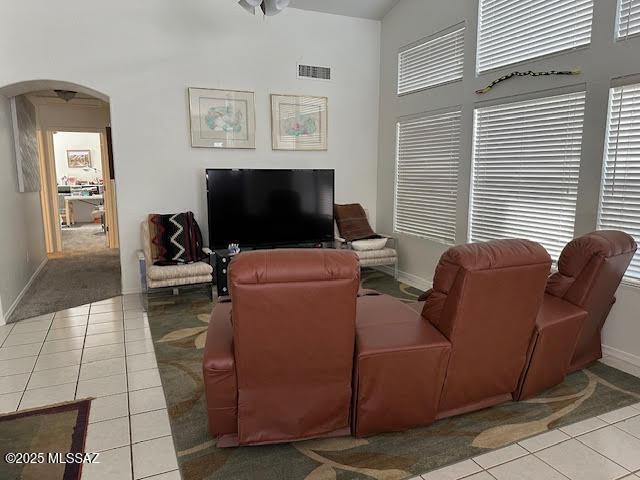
<point>222,118</point>
<point>299,122</point>
<point>78,158</point>
<point>23,116</point>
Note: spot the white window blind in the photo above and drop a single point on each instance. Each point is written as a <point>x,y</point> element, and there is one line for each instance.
<point>628,18</point>
<point>526,163</point>
<point>428,156</point>
<point>620,198</point>
<point>431,62</point>
<point>511,31</point>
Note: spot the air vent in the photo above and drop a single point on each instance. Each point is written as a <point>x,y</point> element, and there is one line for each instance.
<point>313,72</point>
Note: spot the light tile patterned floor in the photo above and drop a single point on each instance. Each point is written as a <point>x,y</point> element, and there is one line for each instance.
<point>105,350</point>
<point>102,350</point>
<point>600,448</point>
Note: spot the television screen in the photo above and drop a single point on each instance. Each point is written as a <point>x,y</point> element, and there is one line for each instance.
<point>265,208</point>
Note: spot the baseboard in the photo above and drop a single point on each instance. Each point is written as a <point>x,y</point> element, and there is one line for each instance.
<point>621,355</point>
<point>407,278</point>
<point>12,307</point>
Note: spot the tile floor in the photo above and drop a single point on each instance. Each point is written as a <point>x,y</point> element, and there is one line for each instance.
<point>102,350</point>
<point>600,448</point>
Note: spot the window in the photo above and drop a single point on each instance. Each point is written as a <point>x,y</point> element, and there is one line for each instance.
<point>526,162</point>
<point>431,62</point>
<point>427,175</point>
<point>511,31</point>
<point>628,18</point>
<point>620,198</point>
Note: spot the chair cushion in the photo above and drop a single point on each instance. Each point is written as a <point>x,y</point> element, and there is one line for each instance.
<point>369,244</point>
<point>168,272</point>
<point>371,254</point>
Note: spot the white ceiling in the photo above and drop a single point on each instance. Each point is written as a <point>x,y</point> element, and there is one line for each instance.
<point>374,9</point>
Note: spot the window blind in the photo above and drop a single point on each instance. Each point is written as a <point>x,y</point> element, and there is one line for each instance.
<point>628,18</point>
<point>620,197</point>
<point>431,62</point>
<point>428,156</point>
<point>511,31</point>
<point>526,163</point>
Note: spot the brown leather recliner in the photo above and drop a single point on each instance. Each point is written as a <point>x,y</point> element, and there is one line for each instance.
<point>468,346</point>
<point>577,302</point>
<point>590,270</point>
<point>485,300</point>
<point>278,359</point>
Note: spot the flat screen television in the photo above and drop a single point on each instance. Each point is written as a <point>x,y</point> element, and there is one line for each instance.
<point>269,208</point>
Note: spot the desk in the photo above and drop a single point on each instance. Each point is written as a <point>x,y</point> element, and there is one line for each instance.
<point>70,199</point>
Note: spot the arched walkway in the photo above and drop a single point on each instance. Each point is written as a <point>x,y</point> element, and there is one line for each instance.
<point>53,283</point>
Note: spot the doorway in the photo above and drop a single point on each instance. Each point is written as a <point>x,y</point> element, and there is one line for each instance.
<point>80,189</point>
<point>78,204</point>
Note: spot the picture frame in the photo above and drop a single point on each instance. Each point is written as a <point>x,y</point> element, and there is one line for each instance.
<point>222,118</point>
<point>79,158</point>
<point>299,122</point>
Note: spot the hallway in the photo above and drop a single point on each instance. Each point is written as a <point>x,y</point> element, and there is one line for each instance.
<point>71,281</point>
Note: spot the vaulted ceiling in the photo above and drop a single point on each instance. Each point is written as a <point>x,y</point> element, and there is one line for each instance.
<point>373,9</point>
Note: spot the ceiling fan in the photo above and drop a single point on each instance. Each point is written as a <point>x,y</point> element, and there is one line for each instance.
<point>268,7</point>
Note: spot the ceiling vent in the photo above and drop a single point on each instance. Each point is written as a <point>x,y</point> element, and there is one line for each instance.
<point>313,72</point>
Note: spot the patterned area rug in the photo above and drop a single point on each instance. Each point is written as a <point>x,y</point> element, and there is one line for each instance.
<point>60,428</point>
<point>179,324</point>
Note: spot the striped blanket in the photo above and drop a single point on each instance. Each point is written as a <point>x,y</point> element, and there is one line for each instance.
<point>175,239</point>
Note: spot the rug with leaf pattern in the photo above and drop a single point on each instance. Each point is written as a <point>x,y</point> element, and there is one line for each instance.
<point>179,323</point>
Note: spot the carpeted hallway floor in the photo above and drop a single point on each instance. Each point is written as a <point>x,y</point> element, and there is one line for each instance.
<point>83,238</point>
<point>72,281</point>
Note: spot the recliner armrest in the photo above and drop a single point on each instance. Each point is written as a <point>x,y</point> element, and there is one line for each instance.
<point>219,372</point>
<point>555,310</point>
<point>218,350</point>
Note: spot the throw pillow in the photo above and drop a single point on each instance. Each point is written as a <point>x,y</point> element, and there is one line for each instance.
<point>352,222</point>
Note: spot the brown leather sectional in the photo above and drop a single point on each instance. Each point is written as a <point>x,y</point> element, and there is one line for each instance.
<point>578,299</point>
<point>278,359</point>
<point>298,353</point>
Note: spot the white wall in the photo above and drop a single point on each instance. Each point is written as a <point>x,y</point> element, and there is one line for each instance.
<point>21,230</point>
<point>145,54</point>
<point>412,20</point>
<point>64,141</point>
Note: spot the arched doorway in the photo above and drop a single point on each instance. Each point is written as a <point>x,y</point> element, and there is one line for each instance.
<point>77,196</point>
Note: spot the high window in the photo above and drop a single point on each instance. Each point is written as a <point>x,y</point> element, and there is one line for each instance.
<point>432,61</point>
<point>512,31</point>
<point>628,18</point>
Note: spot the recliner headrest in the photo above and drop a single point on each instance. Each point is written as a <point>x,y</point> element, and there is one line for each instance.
<point>604,243</point>
<point>293,265</point>
<point>485,256</point>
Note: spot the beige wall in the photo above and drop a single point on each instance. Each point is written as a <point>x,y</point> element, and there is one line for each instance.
<point>65,141</point>
<point>605,59</point>
<point>145,54</point>
<point>22,249</point>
